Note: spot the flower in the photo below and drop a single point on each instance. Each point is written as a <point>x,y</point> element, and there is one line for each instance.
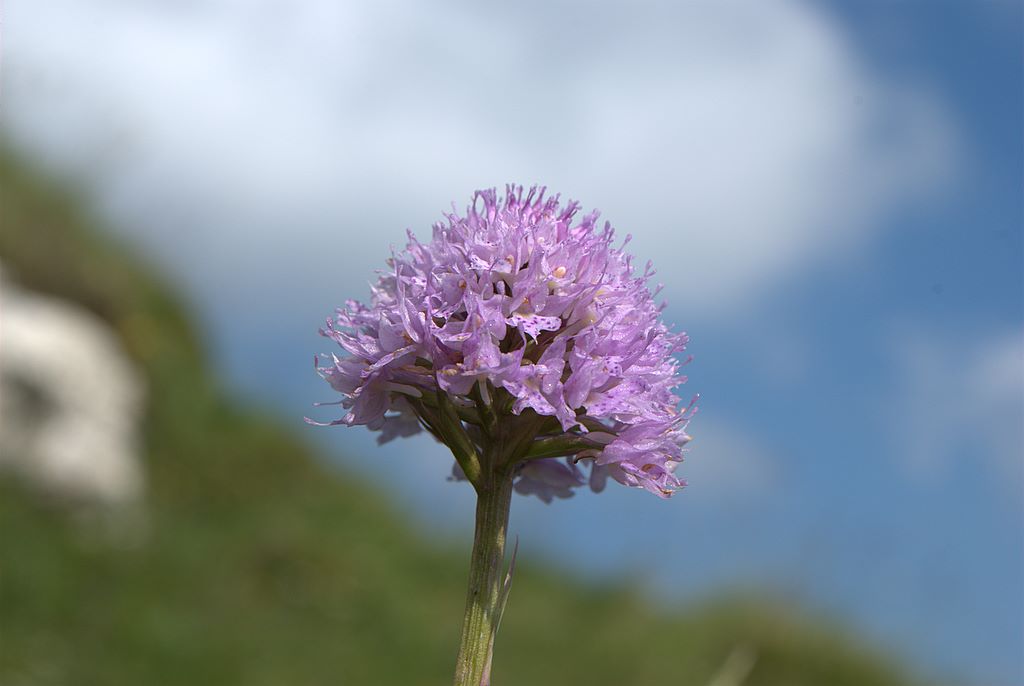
<point>519,334</point>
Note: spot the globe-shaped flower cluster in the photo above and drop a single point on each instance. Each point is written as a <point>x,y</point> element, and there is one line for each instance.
<point>522,339</point>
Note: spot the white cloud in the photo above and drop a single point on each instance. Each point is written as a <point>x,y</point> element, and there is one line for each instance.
<point>960,399</point>
<point>737,141</point>
<point>727,466</point>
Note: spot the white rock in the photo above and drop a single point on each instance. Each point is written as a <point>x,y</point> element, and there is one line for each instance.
<point>70,401</point>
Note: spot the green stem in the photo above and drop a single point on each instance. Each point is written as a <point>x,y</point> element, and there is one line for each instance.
<point>483,600</point>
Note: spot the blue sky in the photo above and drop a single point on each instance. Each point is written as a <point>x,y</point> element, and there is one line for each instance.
<point>831,192</point>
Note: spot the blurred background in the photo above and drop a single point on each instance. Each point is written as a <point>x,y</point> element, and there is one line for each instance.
<point>831,193</point>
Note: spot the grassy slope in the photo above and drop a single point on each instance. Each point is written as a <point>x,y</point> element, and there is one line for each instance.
<point>259,565</point>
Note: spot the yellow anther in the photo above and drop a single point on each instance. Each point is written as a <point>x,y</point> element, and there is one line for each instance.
<point>560,272</point>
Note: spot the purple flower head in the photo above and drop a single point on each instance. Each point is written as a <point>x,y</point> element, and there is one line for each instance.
<point>519,336</point>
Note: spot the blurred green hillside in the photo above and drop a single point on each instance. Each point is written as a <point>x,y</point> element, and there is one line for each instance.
<point>255,563</point>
